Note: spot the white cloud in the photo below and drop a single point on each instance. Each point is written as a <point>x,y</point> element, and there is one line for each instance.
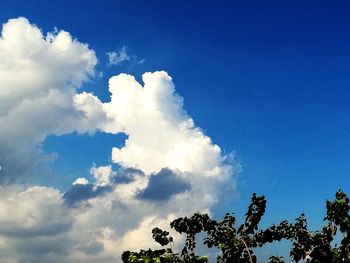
<point>161,134</point>
<point>38,212</point>
<point>34,223</point>
<point>113,210</point>
<point>38,96</point>
<point>81,181</point>
<point>117,57</point>
<point>39,77</point>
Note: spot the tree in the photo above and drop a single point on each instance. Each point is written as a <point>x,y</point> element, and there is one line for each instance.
<point>316,246</point>
<point>237,243</point>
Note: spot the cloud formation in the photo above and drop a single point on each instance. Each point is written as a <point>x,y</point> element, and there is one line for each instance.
<point>82,192</point>
<point>117,57</point>
<point>167,168</point>
<point>38,212</point>
<point>34,225</point>
<point>40,75</point>
<point>161,134</point>
<point>163,185</point>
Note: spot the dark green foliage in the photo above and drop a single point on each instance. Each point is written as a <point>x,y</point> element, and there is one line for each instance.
<point>161,237</point>
<point>276,259</point>
<point>151,256</point>
<point>191,226</point>
<point>237,243</point>
<point>316,247</point>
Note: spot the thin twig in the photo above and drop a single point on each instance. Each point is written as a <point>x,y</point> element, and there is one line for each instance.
<point>250,256</point>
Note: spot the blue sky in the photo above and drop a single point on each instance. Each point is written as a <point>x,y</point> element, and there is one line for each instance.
<point>267,81</point>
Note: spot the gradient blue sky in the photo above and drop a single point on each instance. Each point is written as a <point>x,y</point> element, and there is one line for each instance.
<point>267,80</point>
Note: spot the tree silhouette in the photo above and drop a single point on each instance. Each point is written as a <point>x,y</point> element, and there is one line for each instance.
<point>237,243</point>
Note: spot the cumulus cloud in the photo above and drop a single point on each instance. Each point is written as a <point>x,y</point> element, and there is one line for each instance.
<point>34,223</point>
<point>92,248</point>
<point>82,192</point>
<point>163,185</point>
<point>175,170</point>
<point>167,167</point>
<point>104,175</point>
<point>161,134</point>
<point>38,212</point>
<point>40,75</point>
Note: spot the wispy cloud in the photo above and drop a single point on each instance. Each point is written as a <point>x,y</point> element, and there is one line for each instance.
<point>116,58</point>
